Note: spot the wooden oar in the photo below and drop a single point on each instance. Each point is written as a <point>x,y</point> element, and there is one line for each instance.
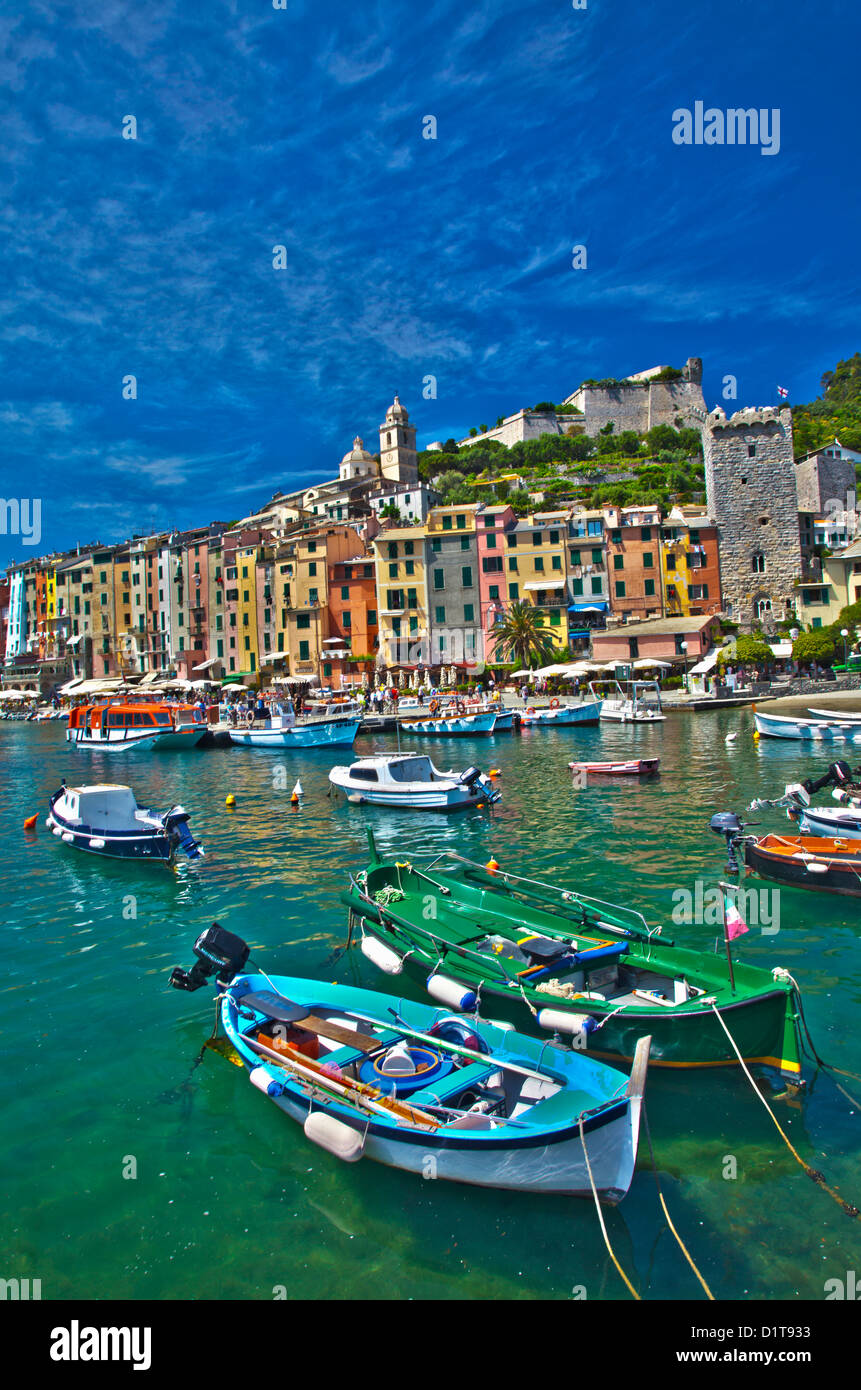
<point>356,1091</point>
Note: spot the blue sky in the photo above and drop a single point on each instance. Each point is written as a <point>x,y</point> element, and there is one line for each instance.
<point>406,257</point>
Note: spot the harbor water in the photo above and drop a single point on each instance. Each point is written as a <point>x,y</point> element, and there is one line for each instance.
<point>137,1166</point>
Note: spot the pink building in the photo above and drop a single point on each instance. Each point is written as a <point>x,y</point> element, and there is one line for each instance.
<point>490,525</point>
<point>661,639</point>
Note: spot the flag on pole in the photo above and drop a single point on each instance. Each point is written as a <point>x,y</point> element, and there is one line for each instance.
<point>782,391</point>
<point>735,924</point>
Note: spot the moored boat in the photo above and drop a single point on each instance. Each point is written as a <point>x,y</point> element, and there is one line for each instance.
<point>124,725</point>
<point>638,702</point>
<point>583,712</point>
<point>807,861</point>
<point>413,1088</point>
<point>574,965</point>
<point>632,767</point>
<point>831,729</point>
<point>411,780</point>
<point>283,730</point>
<point>105,819</point>
<point>457,725</point>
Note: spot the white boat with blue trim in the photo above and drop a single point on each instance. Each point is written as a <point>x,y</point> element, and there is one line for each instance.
<point>411,781</point>
<point>105,819</point>
<point>413,1087</point>
<point>283,730</point>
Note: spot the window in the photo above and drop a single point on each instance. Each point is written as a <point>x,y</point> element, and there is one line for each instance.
<point>436,545</point>
<point>464,542</point>
<point>575,556</point>
<point>598,557</point>
<point>618,562</point>
<point>671,562</point>
<point>512,563</point>
<point>466,576</point>
<point>446,523</point>
<point>650,588</point>
<point>312,546</point>
<point>556,562</point>
<point>304,651</point>
<point>555,618</point>
<point>577,587</point>
<point>633,648</point>
<point>303,620</point>
<point>698,591</point>
<point>620,588</point>
<point>439,615</point>
<point>511,540</point>
<point>491,564</point>
<point>596,586</point>
<point>313,597</point>
<point>513,592</point>
<point>409,548</point>
<point>468,613</point>
<point>461,522</point>
<point>490,542</point>
<point>493,591</point>
<point>648,560</point>
<point>751,451</point>
<point>393,550</point>
<point>616,535</point>
<point>372,617</point>
<point>757,562</point>
<point>645,533</point>
<point>393,571</point>
<point>536,537</point>
<point>412,598</point>
<point>409,566</point>
<point>594,528</point>
<point>439,579</point>
<point>346,620</point>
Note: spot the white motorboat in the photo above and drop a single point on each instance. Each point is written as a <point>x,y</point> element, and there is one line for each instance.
<point>411,780</point>
<point>105,819</point>
<point>283,730</point>
<point>639,702</point>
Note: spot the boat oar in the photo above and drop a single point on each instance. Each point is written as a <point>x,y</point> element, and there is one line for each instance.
<point>355,1091</point>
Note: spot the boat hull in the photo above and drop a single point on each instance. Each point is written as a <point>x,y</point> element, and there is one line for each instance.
<point>635,767</point>
<point>835,870</point>
<point>588,713</point>
<point>123,740</point>
<point>112,844</point>
<point>822,821</point>
<point>462,726</point>
<point>524,1157</point>
<point>330,733</point>
<point>815,730</point>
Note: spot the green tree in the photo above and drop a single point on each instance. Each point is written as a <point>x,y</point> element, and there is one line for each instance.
<point>747,651</point>
<point>521,636</point>
<point>814,646</point>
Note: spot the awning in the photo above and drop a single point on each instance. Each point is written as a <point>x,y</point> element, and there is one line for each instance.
<point>782,650</point>
<point>205,665</point>
<point>150,677</point>
<point>73,641</point>
<point>70,686</point>
<point>546,584</point>
<point>707,664</point>
<point>588,607</point>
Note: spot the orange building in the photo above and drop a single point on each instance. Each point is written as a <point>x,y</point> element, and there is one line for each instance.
<point>353,622</point>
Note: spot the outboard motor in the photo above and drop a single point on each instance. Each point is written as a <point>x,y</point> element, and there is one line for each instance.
<point>727,823</point>
<point>839,774</point>
<point>470,776</point>
<point>176,826</point>
<point>218,951</point>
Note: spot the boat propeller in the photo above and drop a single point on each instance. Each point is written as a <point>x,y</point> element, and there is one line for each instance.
<point>727,823</point>
<point>218,952</point>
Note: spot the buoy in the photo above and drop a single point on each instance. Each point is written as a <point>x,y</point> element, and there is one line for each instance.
<point>230,799</point>
<point>296,793</point>
<point>492,866</point>
<point>30,822</point>
<point>756,735</point>
<point>495,772</point>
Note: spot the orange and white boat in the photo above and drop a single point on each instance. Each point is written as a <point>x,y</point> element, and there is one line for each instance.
<point>128,725</point>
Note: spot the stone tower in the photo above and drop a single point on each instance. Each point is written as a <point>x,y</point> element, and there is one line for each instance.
<point>750,492</point>
<point>398,459</point>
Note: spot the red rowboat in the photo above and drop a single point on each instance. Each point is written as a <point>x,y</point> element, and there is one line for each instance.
<point>633,767</point>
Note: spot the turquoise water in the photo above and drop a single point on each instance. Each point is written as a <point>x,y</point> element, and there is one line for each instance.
<point>102,1071</point>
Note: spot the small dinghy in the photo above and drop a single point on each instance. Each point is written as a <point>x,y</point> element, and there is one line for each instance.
<point>105,819</point>
<point>412,781</point>
<point>415,1088</point>
<point>633,767</point>
<point>825,865</point>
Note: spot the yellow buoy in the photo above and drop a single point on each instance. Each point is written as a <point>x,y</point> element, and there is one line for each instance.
<point>756,735</point>
<point>495,772</point>
<point>230,799</point>
<point>491,866</point>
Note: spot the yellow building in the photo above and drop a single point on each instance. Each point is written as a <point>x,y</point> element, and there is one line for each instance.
<point>402,593</point>
<point>248,659</point>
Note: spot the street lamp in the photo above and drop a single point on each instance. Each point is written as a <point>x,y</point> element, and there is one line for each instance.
<point>684,647</point>
<point>844,633</point>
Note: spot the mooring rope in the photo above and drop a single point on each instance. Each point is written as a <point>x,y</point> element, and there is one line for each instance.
<point>622,1273</point>
<point>813,1173</point>
<point>780,973</point>
<point>681,1243</point>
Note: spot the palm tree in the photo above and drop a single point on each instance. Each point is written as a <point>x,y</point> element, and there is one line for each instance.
<point>521,635</point>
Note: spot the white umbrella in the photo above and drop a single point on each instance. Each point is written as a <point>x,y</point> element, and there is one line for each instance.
<point>522,675</point>
<point>644,663</point>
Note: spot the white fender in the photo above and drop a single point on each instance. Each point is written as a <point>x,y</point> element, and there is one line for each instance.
<point>97,844</point>
<point>337,1138</point>
<point>559,1022</point>
<point>450,992</point>
<point>265,1082</point>
<point>382,956</point>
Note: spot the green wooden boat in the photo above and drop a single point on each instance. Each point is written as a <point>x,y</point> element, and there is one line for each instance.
<point>572,965</point>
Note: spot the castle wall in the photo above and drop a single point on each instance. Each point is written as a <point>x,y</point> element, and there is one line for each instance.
<point>752,497</point>
<point>526,424</point>
<point>644,405</point>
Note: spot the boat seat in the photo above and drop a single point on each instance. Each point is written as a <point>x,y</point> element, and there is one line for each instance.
<point>458,1080</point>
<point>343,1056</point>
<point>272,1006</point>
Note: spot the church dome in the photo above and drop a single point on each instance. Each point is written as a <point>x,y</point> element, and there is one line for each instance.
<point>396,415</point>
<point>358,453</point>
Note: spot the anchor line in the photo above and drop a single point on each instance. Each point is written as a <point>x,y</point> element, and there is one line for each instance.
<point>621,1271</point>
<point>679,1240</point>
<point>813,1173</point>
<point>826,1066</point>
